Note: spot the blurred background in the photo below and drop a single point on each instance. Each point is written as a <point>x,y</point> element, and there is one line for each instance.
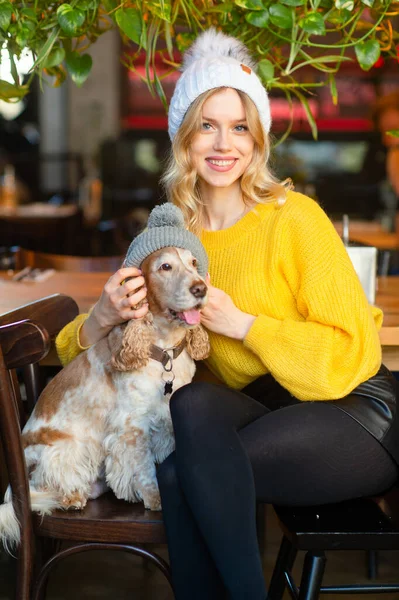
<point>98,152</point>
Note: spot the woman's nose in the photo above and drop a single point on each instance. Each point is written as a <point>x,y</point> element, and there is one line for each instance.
<point>222,141</point>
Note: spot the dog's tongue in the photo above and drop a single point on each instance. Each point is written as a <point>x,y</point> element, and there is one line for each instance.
<point>192,317</point>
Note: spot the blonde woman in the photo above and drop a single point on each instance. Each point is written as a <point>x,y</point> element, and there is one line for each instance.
<point>304,412</point>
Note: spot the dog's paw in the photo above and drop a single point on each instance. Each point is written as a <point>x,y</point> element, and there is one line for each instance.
<point>151,498</point>
<point>74,501</point>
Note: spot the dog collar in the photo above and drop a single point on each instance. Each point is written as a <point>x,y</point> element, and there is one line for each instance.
<point>162,355</point>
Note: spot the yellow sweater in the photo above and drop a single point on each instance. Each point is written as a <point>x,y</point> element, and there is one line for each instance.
<point>314,329</point>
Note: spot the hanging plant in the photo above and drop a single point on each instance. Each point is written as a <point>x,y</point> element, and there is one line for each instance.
<point>292,39</point>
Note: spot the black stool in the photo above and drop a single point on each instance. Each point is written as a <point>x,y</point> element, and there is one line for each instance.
<point>369,524</point>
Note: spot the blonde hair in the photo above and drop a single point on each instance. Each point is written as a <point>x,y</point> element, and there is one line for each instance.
<point>180,179</point>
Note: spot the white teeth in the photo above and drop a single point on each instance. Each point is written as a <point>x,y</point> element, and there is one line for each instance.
<point>221,163</point>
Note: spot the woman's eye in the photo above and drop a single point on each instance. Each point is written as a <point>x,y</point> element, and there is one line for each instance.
<point>165,267</point>
<point>206,126</point>
<point>241,128</point>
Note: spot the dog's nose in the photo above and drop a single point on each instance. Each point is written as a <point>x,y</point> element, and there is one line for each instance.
<point>198,290</point>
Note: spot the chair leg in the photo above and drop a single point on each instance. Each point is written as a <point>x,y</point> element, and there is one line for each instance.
<point>285,560</point>
<point>46,548</point>
<point>312,576</point>
<point>372,564</point>
<point>261,526</point>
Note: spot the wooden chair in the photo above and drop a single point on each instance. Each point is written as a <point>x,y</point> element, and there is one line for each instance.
<point>369,524</point>
<point>106,523</point>
<point>60,262</point>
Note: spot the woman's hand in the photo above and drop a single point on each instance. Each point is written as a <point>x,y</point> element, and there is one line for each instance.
<point>117,304</point>
<point>221,315</point>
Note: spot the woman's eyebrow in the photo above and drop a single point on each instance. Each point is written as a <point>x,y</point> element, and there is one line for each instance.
<point>244,120</point>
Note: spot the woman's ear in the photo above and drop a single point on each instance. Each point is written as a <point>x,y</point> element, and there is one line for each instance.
<point>198,345</point>
<point>131,350</point>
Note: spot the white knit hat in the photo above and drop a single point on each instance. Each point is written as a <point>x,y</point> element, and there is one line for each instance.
<point>216,60</point>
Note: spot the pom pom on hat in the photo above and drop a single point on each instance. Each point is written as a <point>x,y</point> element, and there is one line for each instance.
<point>216,60</point>
<point>213,43</point>
<point>165,228</point>
<point>166,214</point>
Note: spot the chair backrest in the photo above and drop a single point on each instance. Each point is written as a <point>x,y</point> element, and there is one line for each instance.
<point>23,343</point>
<point>60,262</point>
<point>53,312</point>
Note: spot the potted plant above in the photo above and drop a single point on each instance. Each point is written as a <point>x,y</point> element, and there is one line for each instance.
<point>291,39</point>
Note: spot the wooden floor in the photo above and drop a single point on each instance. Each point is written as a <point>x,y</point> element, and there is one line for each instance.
<point>114,576</point>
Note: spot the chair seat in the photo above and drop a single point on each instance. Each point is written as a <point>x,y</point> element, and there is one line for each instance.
<point>370,523</point>
<point>105,519</point>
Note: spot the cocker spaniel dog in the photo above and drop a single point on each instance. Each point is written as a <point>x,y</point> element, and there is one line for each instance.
<point>104,421</point>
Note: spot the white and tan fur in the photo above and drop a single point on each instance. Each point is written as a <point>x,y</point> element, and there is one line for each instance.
<point>104,420</point>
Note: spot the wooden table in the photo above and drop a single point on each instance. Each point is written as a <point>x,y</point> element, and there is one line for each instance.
<point>370,233</point>
<point>86,288</point>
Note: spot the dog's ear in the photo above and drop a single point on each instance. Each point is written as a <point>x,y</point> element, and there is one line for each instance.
<point>198,345</point>
<point>131,350</point>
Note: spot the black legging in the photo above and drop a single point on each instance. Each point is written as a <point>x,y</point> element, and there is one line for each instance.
<point>232,450</point>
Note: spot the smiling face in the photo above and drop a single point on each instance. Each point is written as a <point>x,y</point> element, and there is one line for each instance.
<point>175,289</point>
<point>223,148</point>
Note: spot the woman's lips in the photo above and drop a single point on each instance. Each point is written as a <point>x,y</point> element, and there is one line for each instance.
<point>221,165</point>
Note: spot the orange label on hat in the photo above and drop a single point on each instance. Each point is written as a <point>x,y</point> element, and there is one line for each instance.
<point>246,69</point>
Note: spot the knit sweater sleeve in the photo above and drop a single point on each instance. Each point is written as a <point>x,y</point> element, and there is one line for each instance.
<point>67,341</point>
<point>335,346</point>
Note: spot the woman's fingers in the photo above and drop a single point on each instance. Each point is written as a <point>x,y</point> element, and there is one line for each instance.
<point>122,274</point>
<point>133,299</point>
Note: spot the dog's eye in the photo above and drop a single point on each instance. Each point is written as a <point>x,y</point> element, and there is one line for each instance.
<point>165,267</point>
<point>194,262</point>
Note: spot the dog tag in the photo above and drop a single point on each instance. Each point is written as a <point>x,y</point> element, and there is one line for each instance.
<point>168,387</point>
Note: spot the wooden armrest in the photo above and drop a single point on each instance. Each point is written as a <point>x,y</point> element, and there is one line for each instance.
<point>23,343</point>
<point>53,312</point>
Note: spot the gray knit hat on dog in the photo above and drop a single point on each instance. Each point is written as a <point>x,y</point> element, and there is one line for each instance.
<point>166,227</point>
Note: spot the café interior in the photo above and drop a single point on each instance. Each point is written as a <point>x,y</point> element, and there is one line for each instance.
<point>80,172</point>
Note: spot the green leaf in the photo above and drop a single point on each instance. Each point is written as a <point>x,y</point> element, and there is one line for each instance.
<point>168,40</point>
<point>111,5</point>
<point>281,16</point>
<point>338,17</point>
<point>265,69</point>
<point>9,92</point>
<point>70,19</point>
<point>24,34</point>
<point>309,115</point>
<point>86,4</point>
<point>393,132</point>
<point>79,67</point>
<point>226,7</point>
<point>5,15</point>
<point>250,4</point>
<point>333,89</point>
<point>55,58</point>
<point>344,4</point>
<point>46,48</point>
<point>368,3</point>
<point>293,2</point>
<point>184,41</point>
<point>161,9</point>
<point>129,21</point>
<point>29,13</point>
<point>258,18</point>
<point>367,53</point>
<point>313,23</point>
